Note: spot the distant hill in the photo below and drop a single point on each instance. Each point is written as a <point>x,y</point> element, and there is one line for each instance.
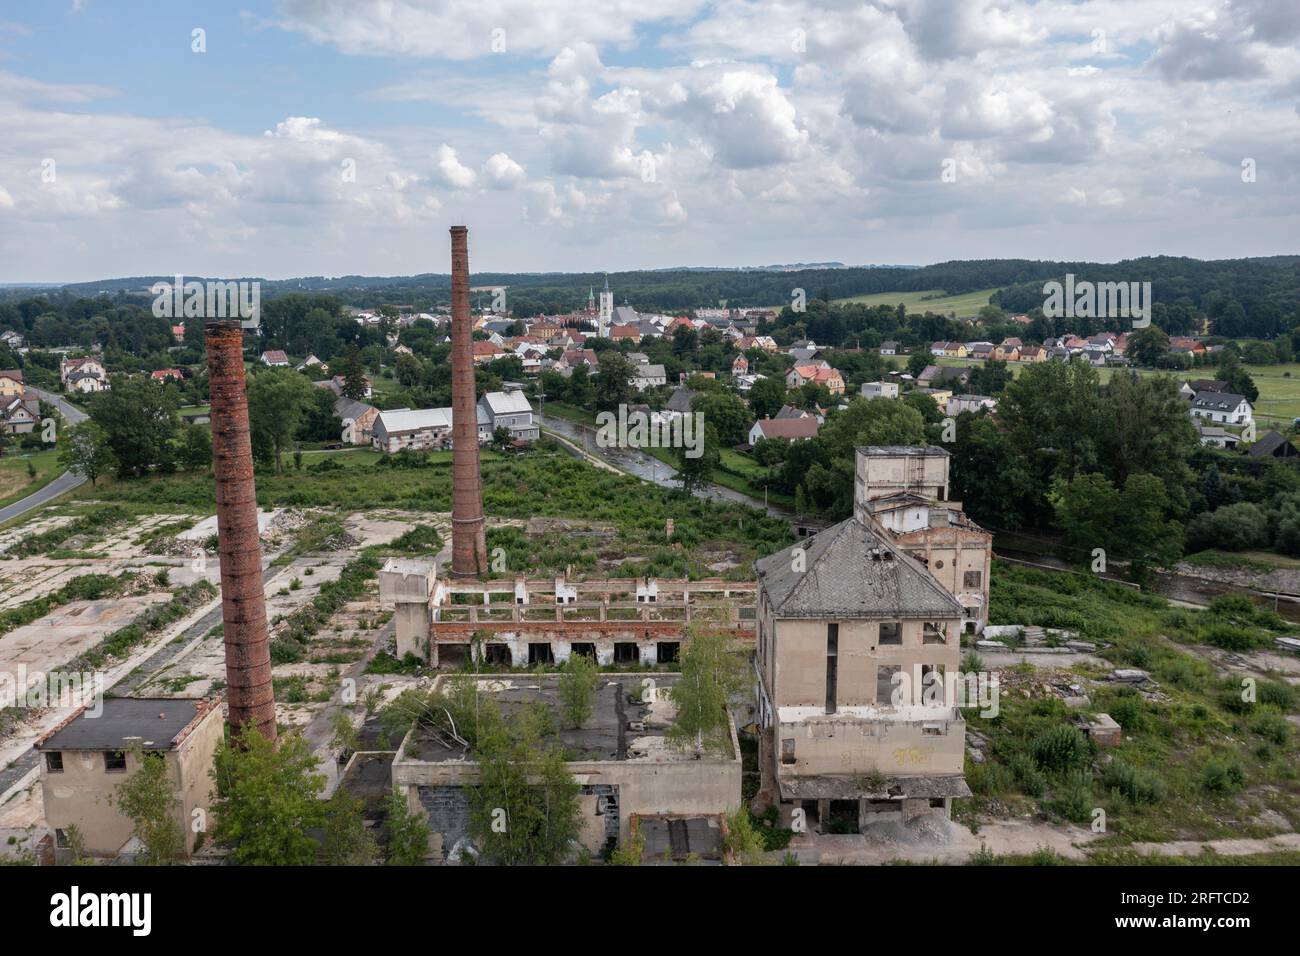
<point>1274,280</point>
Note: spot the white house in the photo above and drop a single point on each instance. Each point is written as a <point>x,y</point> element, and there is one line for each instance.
<point>648,376</point>
<point>83,374</point>
<point>879,390</point>
<point>1222,408</point>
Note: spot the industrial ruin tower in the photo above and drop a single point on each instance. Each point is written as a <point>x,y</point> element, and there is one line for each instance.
<point>468,540</point>
<point>243,605</point>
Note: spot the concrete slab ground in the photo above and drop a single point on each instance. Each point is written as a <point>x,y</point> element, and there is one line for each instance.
<point>57,638</point>
<point>938,841</point>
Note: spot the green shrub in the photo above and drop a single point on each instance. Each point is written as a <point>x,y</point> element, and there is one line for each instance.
<point>1073,800</point>
<point>1139,786</point>
<point>1060,748</point>
<point>1222,776</point>
<point>1129,711</point>
<point>1272,727</point>
<point>1228,637</point>
<point>1027,774</point>
<point>1281,696</point>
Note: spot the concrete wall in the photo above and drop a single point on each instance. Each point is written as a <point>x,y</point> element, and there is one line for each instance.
<point>846,745</point>
<point>644,786</point>
<point>797,674</point>
<point>880,475</point>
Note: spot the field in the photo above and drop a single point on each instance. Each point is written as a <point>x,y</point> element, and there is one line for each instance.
<point>15,482</point>
<point>1279,392</point>
<point>965,305</point>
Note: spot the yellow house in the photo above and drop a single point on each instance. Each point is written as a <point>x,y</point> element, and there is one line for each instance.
<point>956,350</point>
<point>11,382</point>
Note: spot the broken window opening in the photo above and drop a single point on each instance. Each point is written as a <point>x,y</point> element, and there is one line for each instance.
<point>625,652</point>
<point>498,655</point>
<point>115,761</point>
<point>583,650</point>
<point>891,632</point>
<point>832,665</point>
<point>540,653</point>
<point>666,652</point>
<point>885,684</point>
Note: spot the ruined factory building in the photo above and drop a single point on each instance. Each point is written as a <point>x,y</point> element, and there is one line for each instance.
<point>838,617</point>
<point>85,758</point>
<point>520,622</point>
<point>620,758</point>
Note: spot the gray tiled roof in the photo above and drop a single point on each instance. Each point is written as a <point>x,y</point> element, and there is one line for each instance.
<point>842,579</point>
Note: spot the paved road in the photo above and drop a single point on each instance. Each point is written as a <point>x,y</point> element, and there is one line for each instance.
<point>65,482</point>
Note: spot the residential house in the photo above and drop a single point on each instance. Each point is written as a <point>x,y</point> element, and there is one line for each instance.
<point>1215,436</point>
<point>1008,350</point>
<point>980,350</point>
<point>1222,408</point>
<point>1033,353</point>
<point>84,374</point>
<point>11,339</point>
<point>822,374</point>
<point>648,376</point>
<point>970,403</point>
<point>740,365</point>
<point>275,358</point>
<point>584,357</point>
<point>402,428</point>
<point>879,390</point>
<point>791,429</point>
<point>510,410</point>
<point>889,348</point>
<point>164,375</point>
<point>485,352</point>
<point>625,333</point>
<point>358,420</point>
<point>19,413</point>
<point>11,382</point>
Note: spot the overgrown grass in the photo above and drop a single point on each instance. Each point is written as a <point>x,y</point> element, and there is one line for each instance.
<point>1202,757</point>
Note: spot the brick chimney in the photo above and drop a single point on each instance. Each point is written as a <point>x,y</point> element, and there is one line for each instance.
<point>243,605</point>
<point>468,541</point>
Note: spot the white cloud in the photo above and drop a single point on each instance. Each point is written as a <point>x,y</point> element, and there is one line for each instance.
<point>452,171</point>
<point>502,172</point>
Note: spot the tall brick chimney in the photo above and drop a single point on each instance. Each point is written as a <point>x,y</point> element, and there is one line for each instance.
<point>243,605</point>
<point>468,540</point>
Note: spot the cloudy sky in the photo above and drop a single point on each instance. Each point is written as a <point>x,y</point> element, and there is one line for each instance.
<point>310,137</point>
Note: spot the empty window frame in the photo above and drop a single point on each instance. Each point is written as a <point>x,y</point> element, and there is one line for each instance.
<point>666,652</point>
<point>972,580</point>
<point>498,654</point>
<point>891,632</point>
<point>625,652</point>
<point>540,652</point>
<point>583,650</point>
<point>54,762</point>
<point>115,761</point>
<point>787,750</point>
<point>934,633</point>
<point>885,684</point>
<point>832,665</point>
